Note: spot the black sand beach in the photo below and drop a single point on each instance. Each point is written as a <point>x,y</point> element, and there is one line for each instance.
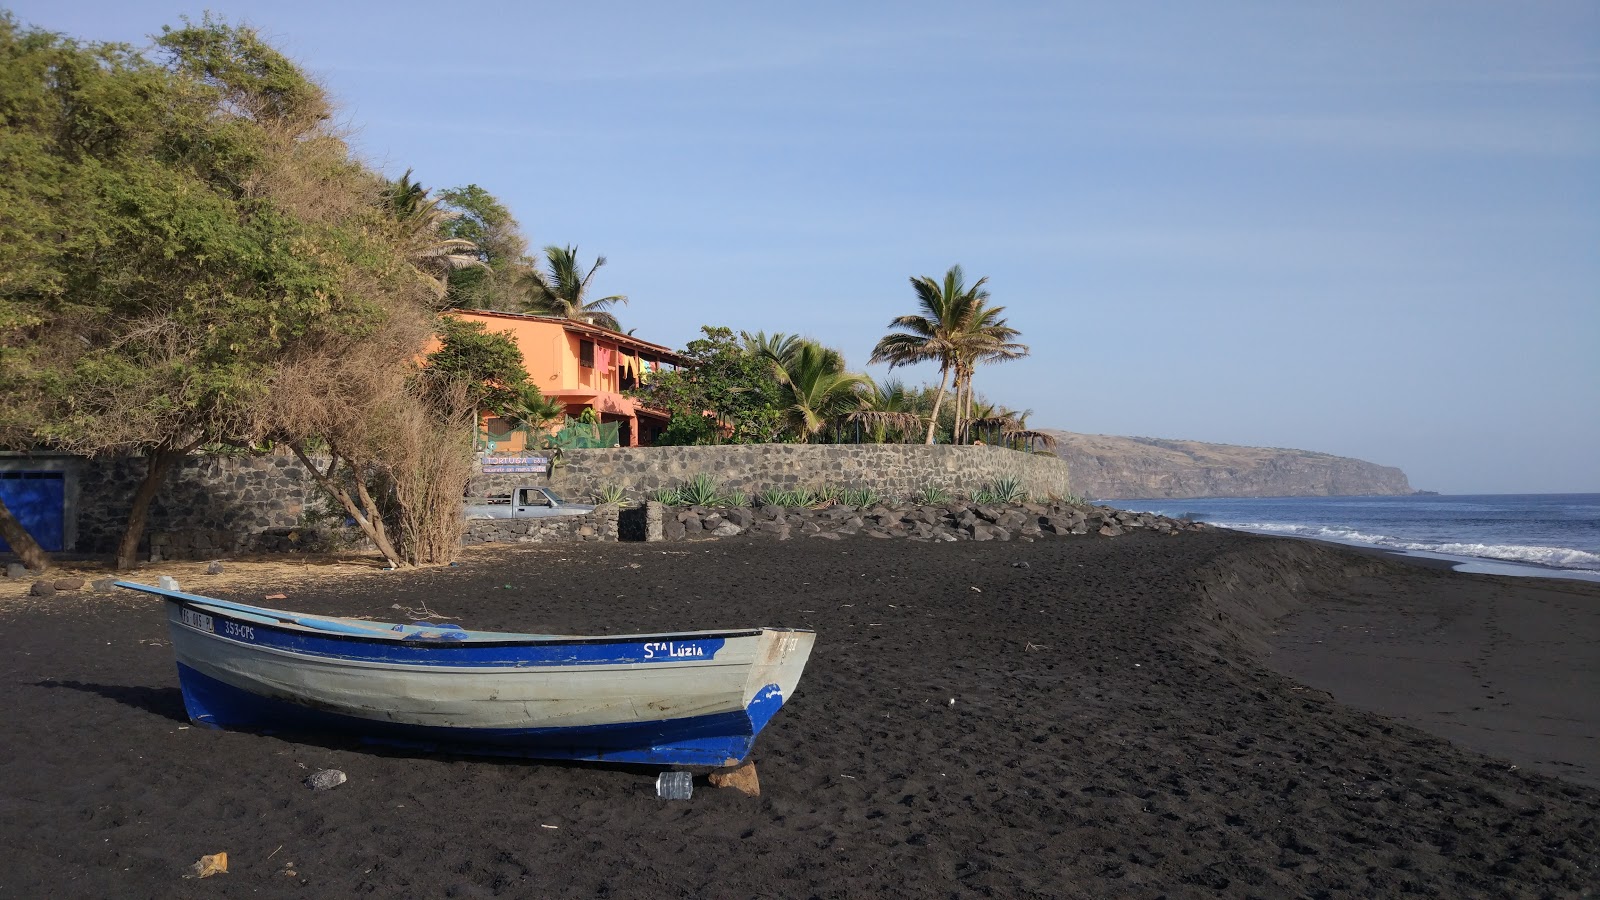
<point>1115,730</point>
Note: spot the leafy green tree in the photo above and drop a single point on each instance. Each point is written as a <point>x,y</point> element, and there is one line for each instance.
<point>176,237</point>
<point>421,227</point>
<point>491,368</point>
<point>816,391</point>
<point>814,388</point>
<point>564,290</point>
<point>934,335</point>
<point>478,217</point>
<point>726,394</point>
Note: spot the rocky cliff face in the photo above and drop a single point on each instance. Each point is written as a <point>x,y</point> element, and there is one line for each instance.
<point>1102,466</point>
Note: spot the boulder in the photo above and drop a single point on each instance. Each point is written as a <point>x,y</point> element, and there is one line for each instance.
<point>69,584</point>
<point>42,589</point>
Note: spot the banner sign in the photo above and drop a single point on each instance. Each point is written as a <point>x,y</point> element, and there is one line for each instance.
<point>494,465</point>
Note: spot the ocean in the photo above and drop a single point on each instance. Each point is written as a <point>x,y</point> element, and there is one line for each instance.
<point>1548,535</point>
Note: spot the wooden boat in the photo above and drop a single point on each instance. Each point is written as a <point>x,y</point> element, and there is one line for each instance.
<point>686,698</point>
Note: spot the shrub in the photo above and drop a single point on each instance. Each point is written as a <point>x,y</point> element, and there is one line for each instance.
<point>1001,490</point>
<point>701,490</point>
<point>860,498</point>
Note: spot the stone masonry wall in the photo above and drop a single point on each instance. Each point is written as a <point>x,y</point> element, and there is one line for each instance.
<point>216,505</point>
<point>209,506</point>
<point>894,470</point>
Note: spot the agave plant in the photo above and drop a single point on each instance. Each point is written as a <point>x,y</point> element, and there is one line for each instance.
<point>611,493</point>
<point>666,496</point>
<point>1002,490</point>
<point>824,494</point>
<point>701,490</point>
<point>932,495</point>
<point>860,498</point>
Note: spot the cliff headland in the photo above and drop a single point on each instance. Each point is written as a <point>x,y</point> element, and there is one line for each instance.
<point>1106,466</point>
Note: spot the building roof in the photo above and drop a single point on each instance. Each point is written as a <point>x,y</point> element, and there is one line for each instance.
<point>643,348</point>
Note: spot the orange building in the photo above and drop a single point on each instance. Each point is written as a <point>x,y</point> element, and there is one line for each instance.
<point>584,367</point>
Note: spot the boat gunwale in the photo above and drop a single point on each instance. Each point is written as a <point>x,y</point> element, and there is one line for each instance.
<point>199,602</point>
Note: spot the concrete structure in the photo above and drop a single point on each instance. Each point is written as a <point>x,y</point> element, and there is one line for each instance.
<point>582,366</point>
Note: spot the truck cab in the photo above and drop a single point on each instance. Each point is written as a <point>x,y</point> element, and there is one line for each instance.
<point>528,501</point>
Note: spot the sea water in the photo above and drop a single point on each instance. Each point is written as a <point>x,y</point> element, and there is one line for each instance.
<point>1550,535</point>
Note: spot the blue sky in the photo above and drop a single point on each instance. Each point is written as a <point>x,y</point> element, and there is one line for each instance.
<point>1364,228</point>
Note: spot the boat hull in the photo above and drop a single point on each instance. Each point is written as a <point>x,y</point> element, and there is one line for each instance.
<point>694,698</point>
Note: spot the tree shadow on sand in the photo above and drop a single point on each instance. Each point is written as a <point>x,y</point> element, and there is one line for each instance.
<point>166,702</point>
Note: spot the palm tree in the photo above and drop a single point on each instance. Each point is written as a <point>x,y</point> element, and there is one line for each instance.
<point>889,410</point>
<point>983,338</point>
<point>936,334</point>
<point>420,224</point>
<point>562,292</point>
<point>816,388</point>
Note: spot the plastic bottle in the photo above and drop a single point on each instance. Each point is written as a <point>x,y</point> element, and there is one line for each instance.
<point>674,785</point>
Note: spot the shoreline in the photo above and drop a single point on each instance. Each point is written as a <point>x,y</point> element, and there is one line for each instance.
<point>1116,730</point>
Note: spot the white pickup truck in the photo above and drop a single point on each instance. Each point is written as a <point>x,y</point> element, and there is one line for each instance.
<point>526,503</point>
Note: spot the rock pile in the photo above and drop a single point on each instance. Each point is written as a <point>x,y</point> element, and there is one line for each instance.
<point>955,521</point>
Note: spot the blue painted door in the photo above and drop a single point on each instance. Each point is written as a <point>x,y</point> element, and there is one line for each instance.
<point>38,500</point>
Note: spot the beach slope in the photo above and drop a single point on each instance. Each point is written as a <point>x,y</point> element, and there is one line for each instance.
<point>1073,717</point>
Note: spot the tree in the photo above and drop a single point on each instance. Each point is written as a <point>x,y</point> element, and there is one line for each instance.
<point>817,390</point>
<point>491,369</point>
<point>421,226</point>
<point>33,557</point>
<point>563,292</point>
<point>890,412</point>
<point>725,394</point>
<point>984,337</point>
<point>934,335</point>
<point>177,236</point>
<point>813,386</point>
<point>477,216</point>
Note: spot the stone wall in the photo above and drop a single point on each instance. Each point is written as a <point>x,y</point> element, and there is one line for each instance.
<point>209,506</point>
<point>213,506</point>
<point>600,525</point>
<point>893,470</point>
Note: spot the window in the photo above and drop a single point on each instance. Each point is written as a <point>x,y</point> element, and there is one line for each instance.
<point>586,354</point>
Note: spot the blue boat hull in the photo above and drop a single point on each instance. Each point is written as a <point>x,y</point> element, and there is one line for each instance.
<point>710,740</point>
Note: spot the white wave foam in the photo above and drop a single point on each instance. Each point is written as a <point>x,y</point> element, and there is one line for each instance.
<point>1551,557</point>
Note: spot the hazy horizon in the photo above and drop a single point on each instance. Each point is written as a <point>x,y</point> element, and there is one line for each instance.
<point>1366,229</point>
